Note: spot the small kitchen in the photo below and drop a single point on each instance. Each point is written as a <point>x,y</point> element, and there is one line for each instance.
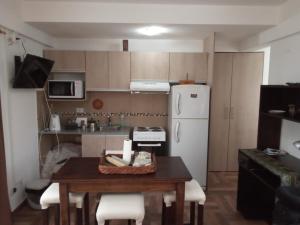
<point>121,95</point>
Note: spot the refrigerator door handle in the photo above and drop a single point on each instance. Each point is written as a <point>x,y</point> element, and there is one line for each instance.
<point>177,132</point>
<point>178,100</point>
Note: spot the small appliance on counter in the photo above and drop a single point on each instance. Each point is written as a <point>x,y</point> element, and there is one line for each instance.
<point>54,123</point>
<point>151,139</point>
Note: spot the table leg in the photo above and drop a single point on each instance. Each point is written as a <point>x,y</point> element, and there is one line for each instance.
<point>180,188</point>
<point>64,204</point>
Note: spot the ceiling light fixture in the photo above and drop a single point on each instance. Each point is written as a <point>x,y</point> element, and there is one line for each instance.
<point>152,30</point>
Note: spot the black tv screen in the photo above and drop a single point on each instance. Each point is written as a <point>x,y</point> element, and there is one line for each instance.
<point>33,72</point>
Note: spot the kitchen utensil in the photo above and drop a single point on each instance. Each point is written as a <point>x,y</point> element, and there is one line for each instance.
<point>97,104</point>
<point>54,123</point>
<point>187,81</point>
<point>81,121</point>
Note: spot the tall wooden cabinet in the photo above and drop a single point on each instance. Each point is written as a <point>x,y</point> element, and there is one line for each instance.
<point>234,107</point>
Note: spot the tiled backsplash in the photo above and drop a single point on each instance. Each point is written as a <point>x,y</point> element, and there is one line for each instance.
<point>138,109</point>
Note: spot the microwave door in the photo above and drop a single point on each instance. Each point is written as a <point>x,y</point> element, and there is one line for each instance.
<point>61,89</point>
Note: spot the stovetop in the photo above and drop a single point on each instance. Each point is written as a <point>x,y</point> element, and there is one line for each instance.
<point>149,134</point>
<point>149,129</point>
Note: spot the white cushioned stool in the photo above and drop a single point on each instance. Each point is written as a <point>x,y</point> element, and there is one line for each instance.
<point>193,194</point>
<point>121,206</point>
<point>50,197</point>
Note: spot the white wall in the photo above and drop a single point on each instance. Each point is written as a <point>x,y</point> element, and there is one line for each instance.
<point>285,67</point>
<point>134,45</point>
<point>20,126</point>
<point>285,60</point>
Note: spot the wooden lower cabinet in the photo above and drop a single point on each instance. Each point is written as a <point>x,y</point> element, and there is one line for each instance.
<point>93,144</point>
<point>234,107</point>
<point>115,142</point>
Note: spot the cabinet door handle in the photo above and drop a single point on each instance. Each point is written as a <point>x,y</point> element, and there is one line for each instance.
<point>232,113</point>
<point>226,112</point>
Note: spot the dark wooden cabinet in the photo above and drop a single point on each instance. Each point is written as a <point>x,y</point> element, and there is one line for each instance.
<point>256,190</point>
<point>275,97</point>
<point>259,178</point>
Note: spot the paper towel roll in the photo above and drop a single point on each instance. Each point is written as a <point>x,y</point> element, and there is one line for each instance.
<point>127,150</point>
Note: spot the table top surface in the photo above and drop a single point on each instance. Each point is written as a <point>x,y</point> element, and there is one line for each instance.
<point>169,169</point>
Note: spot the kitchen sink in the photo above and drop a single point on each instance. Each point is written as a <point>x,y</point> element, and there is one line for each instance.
<point>111,128</point>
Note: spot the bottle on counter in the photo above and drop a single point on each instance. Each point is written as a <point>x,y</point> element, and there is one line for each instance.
<point>122,120</point>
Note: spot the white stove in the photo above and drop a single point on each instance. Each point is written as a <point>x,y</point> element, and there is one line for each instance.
<point>149,134</point>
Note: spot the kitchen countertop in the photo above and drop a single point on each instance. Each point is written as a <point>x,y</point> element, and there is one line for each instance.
<point>286,167</point>
<point>121,132</point>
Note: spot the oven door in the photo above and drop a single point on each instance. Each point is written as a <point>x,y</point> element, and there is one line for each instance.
<point>159,148</point>
<point>61,89</point>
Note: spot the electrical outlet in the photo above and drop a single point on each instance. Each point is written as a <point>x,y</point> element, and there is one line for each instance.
<point>79,110</point>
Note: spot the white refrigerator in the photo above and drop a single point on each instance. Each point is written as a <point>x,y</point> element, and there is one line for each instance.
<point>188,127</point>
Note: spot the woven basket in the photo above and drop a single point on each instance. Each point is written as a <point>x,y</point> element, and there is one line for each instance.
<point>107,168</point>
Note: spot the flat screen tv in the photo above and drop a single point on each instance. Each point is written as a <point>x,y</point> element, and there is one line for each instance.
<point>33,72</point>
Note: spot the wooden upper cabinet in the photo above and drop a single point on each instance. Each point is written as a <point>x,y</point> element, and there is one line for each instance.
<point>66,61</point>
<point>96,70</point>
<point>193,64</point>
<point>119,70</point>
<point>150,66</point>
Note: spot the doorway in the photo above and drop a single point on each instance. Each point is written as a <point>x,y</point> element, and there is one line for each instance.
<point>5,213</point>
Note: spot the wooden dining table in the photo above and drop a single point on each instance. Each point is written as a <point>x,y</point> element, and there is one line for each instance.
<point>82,175</point>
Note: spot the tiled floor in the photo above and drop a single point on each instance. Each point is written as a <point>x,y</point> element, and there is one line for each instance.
<point>219,208</point>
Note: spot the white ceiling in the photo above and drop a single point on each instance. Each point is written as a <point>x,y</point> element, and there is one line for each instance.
<point>204,2</point>
<point>128,31</point>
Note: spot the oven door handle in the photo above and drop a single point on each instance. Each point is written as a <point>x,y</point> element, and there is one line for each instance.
<point>149,145</point>
<point>72,88</point>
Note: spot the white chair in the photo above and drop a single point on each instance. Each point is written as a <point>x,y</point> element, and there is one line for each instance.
<point>50,197</point>
<point>121,206</point>
<point>193,194</point>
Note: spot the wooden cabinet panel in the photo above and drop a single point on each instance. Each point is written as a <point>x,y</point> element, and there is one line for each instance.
<point>119,70</point>
<point>149,66</point>
<point>97,70</point>
<point>219,114</point>
<point>193,64</point>
<point>66,61</point>
<point>115,142</point>
<point>92,145</point>
<point>246,81</point>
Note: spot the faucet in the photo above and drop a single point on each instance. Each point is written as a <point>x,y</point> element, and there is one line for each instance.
<point>109,123</point>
